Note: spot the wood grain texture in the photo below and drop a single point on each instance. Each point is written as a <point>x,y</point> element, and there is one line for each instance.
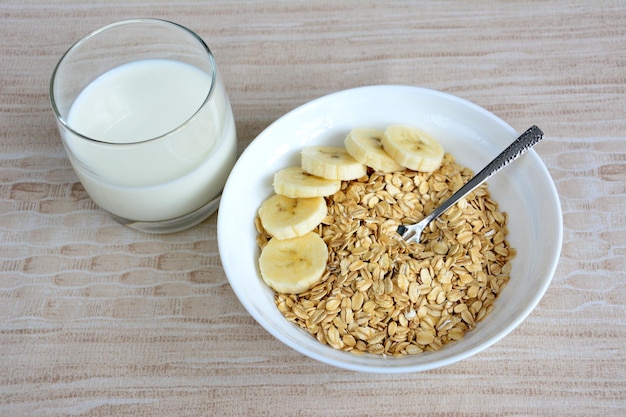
<point>99,320</point>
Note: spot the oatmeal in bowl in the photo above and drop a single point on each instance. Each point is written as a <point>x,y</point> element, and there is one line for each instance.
<point>381,304</point>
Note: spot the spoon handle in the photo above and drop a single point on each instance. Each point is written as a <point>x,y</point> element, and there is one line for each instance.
<point>527,140</point>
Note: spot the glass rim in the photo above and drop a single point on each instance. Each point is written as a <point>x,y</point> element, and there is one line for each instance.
<point>59,117</point>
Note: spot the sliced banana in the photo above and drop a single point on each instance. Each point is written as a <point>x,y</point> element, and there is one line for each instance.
<point>412,148</point>
<point>365,145</point>
<point>295,183</point>
<point>331,162</point>
<point>293,265</point>
<point>285,217</point>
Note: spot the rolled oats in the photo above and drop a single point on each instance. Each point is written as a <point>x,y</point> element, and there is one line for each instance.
<point>384,296</point>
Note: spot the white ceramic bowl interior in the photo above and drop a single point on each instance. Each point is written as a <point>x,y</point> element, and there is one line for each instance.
<point>473,135</point>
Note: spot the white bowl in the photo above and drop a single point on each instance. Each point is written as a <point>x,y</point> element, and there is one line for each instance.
<point>473,135</point>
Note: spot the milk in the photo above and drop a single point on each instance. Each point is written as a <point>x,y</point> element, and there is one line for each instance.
<point>151,163</point>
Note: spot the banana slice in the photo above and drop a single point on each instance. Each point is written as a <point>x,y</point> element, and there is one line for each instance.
<point>412,148</point>
<point>295,183</point>
<point>366,147</point>
<point>293,265</point>
<point>285,217</point>
<point>331,162</point>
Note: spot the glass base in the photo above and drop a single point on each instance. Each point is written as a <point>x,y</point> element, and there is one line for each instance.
<point>172,225</point>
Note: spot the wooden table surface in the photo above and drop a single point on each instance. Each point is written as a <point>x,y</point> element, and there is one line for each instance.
<point>97,319</point>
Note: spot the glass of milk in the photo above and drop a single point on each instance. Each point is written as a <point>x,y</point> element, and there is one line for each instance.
<point>146,123</point>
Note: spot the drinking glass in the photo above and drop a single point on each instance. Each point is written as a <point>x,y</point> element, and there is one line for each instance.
<point>146,123</point>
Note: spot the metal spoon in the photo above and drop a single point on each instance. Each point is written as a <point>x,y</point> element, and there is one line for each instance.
<point>528,139</point>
